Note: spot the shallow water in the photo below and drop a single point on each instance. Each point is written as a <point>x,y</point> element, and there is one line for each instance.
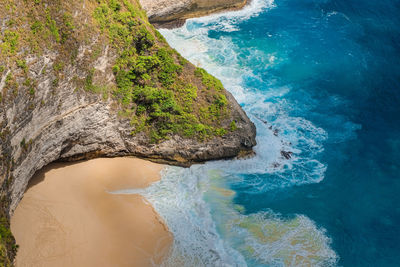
<point>321,79</point>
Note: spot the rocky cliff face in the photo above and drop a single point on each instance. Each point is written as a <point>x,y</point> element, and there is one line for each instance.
<point>64,123</point>
<point>167,13</point>
<point>83,79</point>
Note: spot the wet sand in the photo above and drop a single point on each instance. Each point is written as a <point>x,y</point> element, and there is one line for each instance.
<point>67,218</point>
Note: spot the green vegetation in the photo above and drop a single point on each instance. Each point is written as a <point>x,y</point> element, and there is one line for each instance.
<point>233,126</point>
<point>36,27</point>
<point>9,42</point>
<point>67,27</point>
<point>52,26</point>
<point>5,239</point>
<point>58,66</point>
<point>22,65</point>
<point>8,248</point>
<point>89,86</point>
<point>209,81</point>
<point>158,90</point>
<point>150,81</point>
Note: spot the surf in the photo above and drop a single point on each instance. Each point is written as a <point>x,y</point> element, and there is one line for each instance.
<point>198,203</point>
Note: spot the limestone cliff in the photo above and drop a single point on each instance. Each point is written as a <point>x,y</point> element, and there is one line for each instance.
<point>173,12</point>
<point>83,79</point>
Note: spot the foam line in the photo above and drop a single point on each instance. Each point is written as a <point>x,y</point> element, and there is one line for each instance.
<point>197,203</point>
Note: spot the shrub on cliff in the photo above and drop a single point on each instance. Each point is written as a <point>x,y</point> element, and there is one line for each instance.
<point>151,83</point>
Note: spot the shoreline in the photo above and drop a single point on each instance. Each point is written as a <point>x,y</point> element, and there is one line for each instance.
<point>65,126</point>
<point>178,19</point>
<point>163,238</point>
<point>68,218</point>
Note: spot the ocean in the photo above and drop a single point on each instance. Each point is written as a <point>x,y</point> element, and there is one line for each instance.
<point>321,81</point>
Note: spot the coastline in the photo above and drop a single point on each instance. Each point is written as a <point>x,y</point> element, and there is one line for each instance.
<point>177,17</point>
<point>68,218</point>
<point>86,251</point>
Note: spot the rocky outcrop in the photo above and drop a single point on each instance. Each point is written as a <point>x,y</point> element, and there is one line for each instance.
<point>62,96</point>
<point>170,13</point>
<point>68,125</point>
<point>46,114</point>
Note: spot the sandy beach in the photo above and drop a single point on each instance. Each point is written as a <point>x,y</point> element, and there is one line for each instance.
<point>68,218</point>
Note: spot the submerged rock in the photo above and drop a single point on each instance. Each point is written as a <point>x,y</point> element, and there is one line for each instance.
<point>286,154</point>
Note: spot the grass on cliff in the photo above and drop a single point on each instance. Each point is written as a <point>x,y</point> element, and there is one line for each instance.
<point>151,83</point>
<point>7,243</point>
<point>158,90</point>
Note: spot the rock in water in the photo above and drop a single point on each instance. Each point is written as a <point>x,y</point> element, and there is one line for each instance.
<point>167,13</point>
<point>80,80</point>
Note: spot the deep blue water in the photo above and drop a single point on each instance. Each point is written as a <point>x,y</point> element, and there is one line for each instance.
<point>342,62</point>
<point>325,76</point>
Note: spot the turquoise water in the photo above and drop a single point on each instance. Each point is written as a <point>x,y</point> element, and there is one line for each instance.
<point>320,79</point>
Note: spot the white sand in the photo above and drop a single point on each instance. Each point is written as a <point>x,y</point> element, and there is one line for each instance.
<point>67,218</point>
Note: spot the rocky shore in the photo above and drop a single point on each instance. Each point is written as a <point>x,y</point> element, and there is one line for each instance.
<point>167,14</point>
<point>52,109</point>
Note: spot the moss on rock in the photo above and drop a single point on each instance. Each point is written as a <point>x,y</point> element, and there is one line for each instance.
<point>106,48</point>
<point>151,84</point>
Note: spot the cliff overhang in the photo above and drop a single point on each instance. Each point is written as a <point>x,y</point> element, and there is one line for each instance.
<point>86,79</point>
<point>170,14</point>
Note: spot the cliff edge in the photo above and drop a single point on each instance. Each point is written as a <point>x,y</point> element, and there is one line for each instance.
<point>84,79</point>
<point>167,13</point>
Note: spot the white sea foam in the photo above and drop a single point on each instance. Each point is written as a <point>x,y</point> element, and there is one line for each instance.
<point>197,204</point>
<point>219,56</point>
<point>227,21</point>
<point>210,230</point>
<point>178,198</point>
